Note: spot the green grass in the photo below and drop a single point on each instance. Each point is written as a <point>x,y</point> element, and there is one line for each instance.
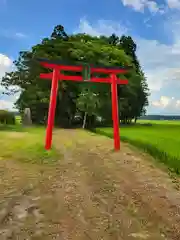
<point>159,122</point>
<point>25,144</point>
<point>161,139</point>
<point>18,119</point>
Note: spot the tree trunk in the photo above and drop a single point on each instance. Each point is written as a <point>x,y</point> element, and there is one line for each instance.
<point>125,120</point>
<point>84,120</point>
<point>135,119</point>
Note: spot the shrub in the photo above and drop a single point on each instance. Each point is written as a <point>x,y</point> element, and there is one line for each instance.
<point>7,117</point>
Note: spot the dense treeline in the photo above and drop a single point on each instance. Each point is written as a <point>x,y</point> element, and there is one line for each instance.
<point>160,117</point>
<point>87,102</point>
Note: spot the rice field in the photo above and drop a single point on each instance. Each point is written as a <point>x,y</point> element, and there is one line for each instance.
<point>161,139</point>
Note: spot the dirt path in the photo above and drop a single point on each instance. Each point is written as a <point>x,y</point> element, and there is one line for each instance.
<point>92,193</point>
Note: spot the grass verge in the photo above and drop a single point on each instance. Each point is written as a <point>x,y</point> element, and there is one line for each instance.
<point>25,144</point>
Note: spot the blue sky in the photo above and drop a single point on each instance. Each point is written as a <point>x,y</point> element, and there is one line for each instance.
<point>154,25</point>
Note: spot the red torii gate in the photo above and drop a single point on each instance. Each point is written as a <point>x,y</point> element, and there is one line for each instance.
<point>56,75</point>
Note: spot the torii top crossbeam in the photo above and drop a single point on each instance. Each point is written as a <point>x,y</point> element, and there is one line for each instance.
<point>56,75</point>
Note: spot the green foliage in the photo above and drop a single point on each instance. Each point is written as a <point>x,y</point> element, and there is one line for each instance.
<point>79,48</point>
<point>7,117</point>
<point>88,102</point>
<point>159,139</point>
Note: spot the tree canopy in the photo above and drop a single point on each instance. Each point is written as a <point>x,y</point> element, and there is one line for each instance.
<point>79,99</point>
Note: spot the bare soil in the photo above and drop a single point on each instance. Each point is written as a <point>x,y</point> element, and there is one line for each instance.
<point>91,193</point>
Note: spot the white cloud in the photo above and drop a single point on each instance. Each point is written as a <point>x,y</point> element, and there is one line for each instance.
<point>12,34</point>
<point>160,62</point>
<point>153,6</point>
<point>140,5</point>
<point>101,27</point>
<point>20,35</point>
<point>7,102</point>
<point>163,102</point>
<point>174,4</point>
<point>167,104</point>
<point>6,105</point>
<point>6,65</point>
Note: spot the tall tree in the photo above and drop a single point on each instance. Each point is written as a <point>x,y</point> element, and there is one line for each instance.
<point>88,103</point>
<point>59,33</point>
<point>129,47</point>
<point>142,91</point>
<point>72,97</point>
<point>113,39</point>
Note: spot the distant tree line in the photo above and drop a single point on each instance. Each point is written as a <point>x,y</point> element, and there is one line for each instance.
<point>7,117</point>
<point>160,117</point>
<point>83,103</point>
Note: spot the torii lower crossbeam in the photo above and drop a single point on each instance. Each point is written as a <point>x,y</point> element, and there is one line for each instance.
<point>56,75</point>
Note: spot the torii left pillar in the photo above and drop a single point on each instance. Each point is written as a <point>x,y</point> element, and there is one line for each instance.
<point>52,108</point>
